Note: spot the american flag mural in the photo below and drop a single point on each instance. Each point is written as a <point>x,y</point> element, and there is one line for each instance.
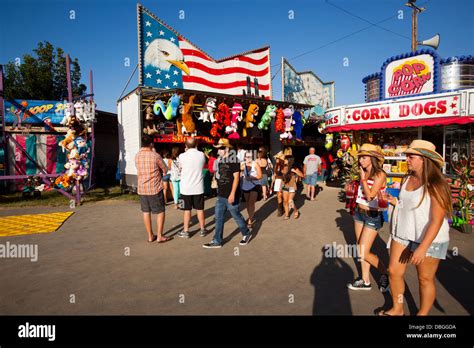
<point>167,60</point>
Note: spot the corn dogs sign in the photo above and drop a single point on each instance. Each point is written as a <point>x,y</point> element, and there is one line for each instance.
<point>404,110</point>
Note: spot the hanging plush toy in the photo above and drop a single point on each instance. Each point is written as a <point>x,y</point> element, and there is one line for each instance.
<point>270,112</point>
<point>250,118</point>
<point>171,109</point>
<point>79,110</point>
<point>222,118</point>
<point>280,121</point>
<point>329,138</point>
<point>224,111</point>
<point>298,127</point>
<point>67,113</point>
<point>207,113</point>
<point>345,143</point>
<point>150,127</point>
<point>236,112</point>
<point>321,127</point>
<point>189,127</point>
<point>288,113</point>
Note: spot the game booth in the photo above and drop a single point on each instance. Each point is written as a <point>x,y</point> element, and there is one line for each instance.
<point>183,92</point>
<point>47,145</point>
<point>416,95</point>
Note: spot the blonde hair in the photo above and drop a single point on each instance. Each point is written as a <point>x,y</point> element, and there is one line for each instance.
<point>434,183</point>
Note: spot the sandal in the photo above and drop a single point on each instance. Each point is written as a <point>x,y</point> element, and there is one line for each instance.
<point>250,223</point>
<point>297,215</point>
<point>383,313</point>
<point>286,218</point>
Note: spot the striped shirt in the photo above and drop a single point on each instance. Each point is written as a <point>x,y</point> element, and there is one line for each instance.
<point>362,198</point>
<point>150,169</point>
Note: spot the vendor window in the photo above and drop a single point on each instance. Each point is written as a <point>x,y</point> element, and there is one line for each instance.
<point>458,140</point>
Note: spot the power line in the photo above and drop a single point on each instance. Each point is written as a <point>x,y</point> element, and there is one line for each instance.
<point>367,21</point>
<point>345,36</point>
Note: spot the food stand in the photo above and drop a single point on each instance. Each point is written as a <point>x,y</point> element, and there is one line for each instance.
<point>415,96</point>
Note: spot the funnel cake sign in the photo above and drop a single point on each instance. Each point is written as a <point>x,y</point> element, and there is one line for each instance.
<point>410,76</point>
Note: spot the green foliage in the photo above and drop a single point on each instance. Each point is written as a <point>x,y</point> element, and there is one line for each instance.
<point>43,76</point>
<point>465,197</point>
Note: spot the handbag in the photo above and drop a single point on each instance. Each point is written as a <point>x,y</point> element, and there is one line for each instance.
<point>214,182</point>
<point>246,185</point>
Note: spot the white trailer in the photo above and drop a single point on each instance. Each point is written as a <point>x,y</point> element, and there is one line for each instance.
<point>130,131</point>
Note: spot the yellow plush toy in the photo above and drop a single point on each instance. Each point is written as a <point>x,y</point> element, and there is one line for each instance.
<point>250,118</point>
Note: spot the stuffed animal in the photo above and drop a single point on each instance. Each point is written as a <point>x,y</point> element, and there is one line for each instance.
<point>288,113</point>
<point>298,124</point>
<point>188,127</point>
<point>222,119</point>
<point>150,127</point>
<point>329,139</point>
<point>67,113</point>
<point>270,112</point>
<point>79,113</point>
<point>280,121</point>
<point>321,127</point>
<point>207,113</point>
<point>345,142</point>
<point>224,111</point>
<point>236,112</point>
<point>171,108</point>
<point>250,118</point>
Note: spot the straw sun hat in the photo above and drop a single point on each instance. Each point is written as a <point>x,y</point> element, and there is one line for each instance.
<point>372,151</point>
<point>426,149</point>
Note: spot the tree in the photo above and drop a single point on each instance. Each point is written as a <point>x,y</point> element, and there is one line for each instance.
<point>43,76</point>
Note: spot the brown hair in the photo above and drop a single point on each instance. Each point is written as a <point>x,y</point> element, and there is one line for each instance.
<point>434,183</point>
<point>262,152</point>
<point>376,168</point>
<point>175,152</point>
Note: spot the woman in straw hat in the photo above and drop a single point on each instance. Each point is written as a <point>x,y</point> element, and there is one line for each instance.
<point>368,218</point>
<point>420,229</point>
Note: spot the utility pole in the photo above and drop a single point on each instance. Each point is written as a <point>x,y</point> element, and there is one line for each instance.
<point>414,22</point>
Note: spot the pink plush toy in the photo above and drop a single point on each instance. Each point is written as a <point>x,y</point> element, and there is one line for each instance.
<point>236,112</point>
<point>288,112</point>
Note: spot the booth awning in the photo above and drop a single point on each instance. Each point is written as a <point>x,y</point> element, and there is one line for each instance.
<point>441,121</point>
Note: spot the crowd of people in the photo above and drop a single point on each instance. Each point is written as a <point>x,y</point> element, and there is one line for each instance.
<point>419,226</point>
<point>238,175</point>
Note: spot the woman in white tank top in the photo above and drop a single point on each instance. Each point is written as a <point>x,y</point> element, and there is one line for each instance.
<point>420,230</point>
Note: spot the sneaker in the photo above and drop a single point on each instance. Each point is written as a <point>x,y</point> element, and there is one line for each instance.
<point>384,284</point>
<point>359,284</point>
<point>212,245</point>
<point>203,233</point>
<point>246,239</point>
<point>184,234</point>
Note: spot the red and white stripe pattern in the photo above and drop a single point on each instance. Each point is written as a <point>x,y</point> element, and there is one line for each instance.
<point>228,75</point>
<point>400,80</point>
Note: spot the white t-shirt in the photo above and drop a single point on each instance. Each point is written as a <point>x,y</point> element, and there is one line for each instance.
<point>312,164</point>
<point>192,163</point>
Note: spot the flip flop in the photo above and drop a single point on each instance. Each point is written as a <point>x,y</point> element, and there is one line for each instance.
<point>382,313</point>
<point>165,239</point>
<point>154,238</point>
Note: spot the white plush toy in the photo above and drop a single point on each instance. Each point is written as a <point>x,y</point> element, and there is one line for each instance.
<point>207,112</point>
<point>67,113</point>
<point>79,107</point>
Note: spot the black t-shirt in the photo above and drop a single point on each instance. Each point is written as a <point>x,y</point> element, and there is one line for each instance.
<point>226,179</point>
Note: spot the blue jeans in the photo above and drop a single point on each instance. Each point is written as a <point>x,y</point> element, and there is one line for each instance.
<point>222,205</point>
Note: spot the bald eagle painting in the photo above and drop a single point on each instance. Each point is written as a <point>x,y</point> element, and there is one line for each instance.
<point>162,54</point>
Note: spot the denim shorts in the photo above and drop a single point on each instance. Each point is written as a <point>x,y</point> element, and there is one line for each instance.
<point>371,219</point>
<point>436,250</point>
<point>311,180</point>
<point>167,177</point>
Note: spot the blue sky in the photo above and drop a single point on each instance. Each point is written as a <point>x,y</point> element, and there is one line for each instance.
<point>104,33</point>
